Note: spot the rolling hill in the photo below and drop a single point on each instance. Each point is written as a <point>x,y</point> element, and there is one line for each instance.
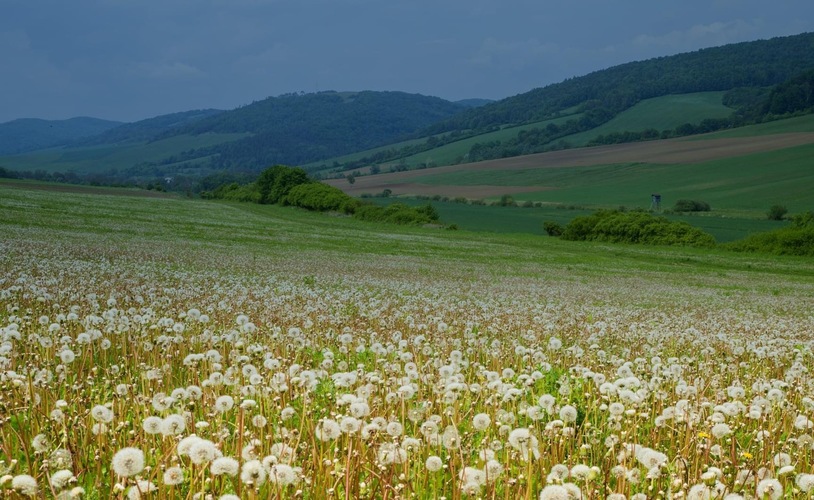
<point>30,134</point>
<point>334,133</point>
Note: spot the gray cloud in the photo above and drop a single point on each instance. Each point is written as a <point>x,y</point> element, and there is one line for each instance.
<point>132,59</point>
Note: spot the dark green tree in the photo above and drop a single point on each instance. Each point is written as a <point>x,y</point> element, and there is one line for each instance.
<point>275,182</point>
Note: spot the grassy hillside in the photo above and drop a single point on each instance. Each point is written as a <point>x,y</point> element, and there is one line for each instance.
<point>659,113</point>
<point>147,130</point>
<point>300,128</point>
<point>740,184</point>
<point>607,92</point>
<point>29,134</point>
<point>135,157</point>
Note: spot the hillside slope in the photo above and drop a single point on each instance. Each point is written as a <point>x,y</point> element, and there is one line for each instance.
<point>30,134</point>
<point>606,92</point>
<point>298,128</point>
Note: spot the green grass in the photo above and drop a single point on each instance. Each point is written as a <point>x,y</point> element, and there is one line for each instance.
<point>99,159</point>
<point>745,185</point>
<point>224,235</point>
<point>789,125</point>
<point>660,113</point>
<point>530,220</point>
<point>448,153</point>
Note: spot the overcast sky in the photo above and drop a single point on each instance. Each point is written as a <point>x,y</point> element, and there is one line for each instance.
<point>133,59</point>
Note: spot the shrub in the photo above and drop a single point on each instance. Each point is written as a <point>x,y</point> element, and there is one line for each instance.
<point>777,212</point>
<point>397,213</point>
<point>635,227</point>
<point>506,201</point>
<point>275,182</point>
<point>691,206</point>
<point>234,192</point>
<point>317,196</point>
<point>792,240</point>
<point>553,228</point>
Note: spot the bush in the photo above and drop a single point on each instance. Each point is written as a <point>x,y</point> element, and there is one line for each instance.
<point>791,240</point>
<point>777,212</point>
<point>317,196</point>
<point>275,182</point>
<point>234,192</point>
<point>553,228</point>
<point>691,206</point>
<point>635,227</point>
<point>397,213</point>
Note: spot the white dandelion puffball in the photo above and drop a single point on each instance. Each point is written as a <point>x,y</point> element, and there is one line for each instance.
<point>128,462</point>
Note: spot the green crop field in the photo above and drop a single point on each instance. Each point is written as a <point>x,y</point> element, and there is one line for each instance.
<point>452,153</point>
<point>738,185</point>
<point>530,219</point>
<point>448,153</point>
<point>99,159</point>
<point>797,124</point>
<point>660,113</point>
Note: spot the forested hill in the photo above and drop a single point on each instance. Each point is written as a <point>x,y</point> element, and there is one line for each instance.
<point>149,129</point>
<point>603,94</point>
<point>298,128</point>
<point>29,134</point>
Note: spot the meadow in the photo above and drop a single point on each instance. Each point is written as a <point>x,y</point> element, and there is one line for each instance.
<point>173,348</point>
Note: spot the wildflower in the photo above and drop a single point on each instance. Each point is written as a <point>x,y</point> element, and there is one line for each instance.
<point>173,476</point>
<point>183,446</point>
<point>40,443</point>
<point>328,430</point>
<point>283,452</point>
<point>253,473</point>
<point>721,430</point>
<point>224,465</point>
<point>769,488</point>
<point>172,425</point>
<point>395,429</point>
<point>349,425</point>
<point>202,451</point>
<point>287,413</point>
<point>67,356</point>
<point>568,413</point>
<point>128,462</point>
<point>102,413</point>
<point>472,475</point>
<point>152,425</point>
<point>61,478</point>
<point>481,421</point>
<point>781,459</point>
<point>141,486</point>
<point>282,474</point>
<point>61,459</point>
<point>805,482</point>
<point>224,403</point>
<point>24,485</point>
<point>389,453</point>
<point>523,441</point>
<point>554,492</point>
<point>434,463</point>
<point>493,470</point>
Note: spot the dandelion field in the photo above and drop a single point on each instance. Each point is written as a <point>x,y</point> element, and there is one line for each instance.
<point>167,348</point>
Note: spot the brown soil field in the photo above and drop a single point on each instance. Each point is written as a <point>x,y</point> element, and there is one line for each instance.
<point>665,152</point>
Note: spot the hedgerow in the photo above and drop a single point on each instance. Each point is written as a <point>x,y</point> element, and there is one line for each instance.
<point>635,227</point>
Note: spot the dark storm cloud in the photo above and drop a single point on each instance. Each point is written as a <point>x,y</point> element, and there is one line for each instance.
<point>132,59</point>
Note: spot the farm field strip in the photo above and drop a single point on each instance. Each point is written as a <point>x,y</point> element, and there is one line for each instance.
<point>672,151</point>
